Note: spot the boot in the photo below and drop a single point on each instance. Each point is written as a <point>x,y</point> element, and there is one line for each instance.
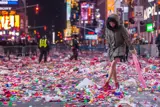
<point>117,85</point>
<point>106,86</point>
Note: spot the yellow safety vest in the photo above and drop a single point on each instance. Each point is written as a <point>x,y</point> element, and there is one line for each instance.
<point>43,43</point>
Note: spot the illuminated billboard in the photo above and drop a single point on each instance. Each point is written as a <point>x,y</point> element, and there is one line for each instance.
<point>68,9</point>
<point>87,12</point>
<point>8,2</point>
<point>91,37</point>
<point>67,31</point>
<point>110,7</point>
<point>9,22</point>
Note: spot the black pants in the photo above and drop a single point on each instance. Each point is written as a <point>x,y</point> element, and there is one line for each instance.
<point>159,51</point>
<point>127,52</point>
<point>19,51</point>
<point>122,58</point>
<point>75,54</point>
<point>43,53</point>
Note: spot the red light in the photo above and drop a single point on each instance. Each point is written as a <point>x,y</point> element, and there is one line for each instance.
<point>91,33</point>
<point>45,28</point>
<point>37,8</point>
<point>89,11</point>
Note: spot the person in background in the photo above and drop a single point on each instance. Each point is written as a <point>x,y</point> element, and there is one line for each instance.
<point>4,44</point>
<point>118,39</point>
<point>27,48</point>
<point>75,47</point>
<point>48,48</point>
<point>34,48</point>
<point>158,43</point>
<point>43,43</point>
<point>127,52</point>
<point>20,47</point>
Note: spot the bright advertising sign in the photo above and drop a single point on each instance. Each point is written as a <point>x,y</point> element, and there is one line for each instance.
<point>8,22</point>
<point>110,7</point>
<point>149,27</point>
<point>150,9</point>
<point>87,11</point>
<point>5,8</point>
<point>91,37</point>
<point>68,9</point>
<point>68,31</point>
<point>9,2</point>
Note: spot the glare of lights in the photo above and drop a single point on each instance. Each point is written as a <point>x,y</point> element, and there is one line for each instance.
<point>13,33</point>
<point>13,38</point>
<point>17,33</point>
<point>86,21</point>
<point>17,21</point>
<point>4,32</point>
<point>12,21</point>
<point>10,33</point>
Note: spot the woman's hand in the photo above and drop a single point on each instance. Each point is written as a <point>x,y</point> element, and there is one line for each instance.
<point>133,51</point>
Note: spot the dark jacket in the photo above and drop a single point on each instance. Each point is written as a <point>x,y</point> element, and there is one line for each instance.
<point>75,44</point>
<point>118,38</point>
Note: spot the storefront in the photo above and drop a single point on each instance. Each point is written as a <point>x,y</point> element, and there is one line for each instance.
<point>12,20</point>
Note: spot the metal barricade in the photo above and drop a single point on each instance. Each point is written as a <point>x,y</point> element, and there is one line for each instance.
<point>33,50</point>
<point>18,50</point>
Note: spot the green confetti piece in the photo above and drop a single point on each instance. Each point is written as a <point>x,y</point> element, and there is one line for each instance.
<point>89,93</point>
<point>45,89</point>
<point>36,80</point>
<point>12,98</point>
<point>85,101</point>
<point>10,104</point>
<point>1,103</point>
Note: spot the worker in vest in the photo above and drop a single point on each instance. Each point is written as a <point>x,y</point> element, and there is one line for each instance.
<point>43,43</point>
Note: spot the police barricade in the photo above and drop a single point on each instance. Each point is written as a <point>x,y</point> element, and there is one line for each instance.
<point>18,50</point>
<point>145,50</point>
<point>154,50</point>
<point>142,50</point>
<point>149,50</point>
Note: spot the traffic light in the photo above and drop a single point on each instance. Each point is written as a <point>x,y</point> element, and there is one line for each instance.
<point>37,9</point>
<point>158,3</point>
<point>45,28</point>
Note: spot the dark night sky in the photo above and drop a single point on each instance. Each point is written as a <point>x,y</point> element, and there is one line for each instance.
<point>51,12</point>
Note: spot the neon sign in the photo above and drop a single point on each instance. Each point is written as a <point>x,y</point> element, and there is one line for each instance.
<point>9,2</point>
<point>8,22</point>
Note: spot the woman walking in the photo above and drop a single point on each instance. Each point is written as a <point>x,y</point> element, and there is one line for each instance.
<point>117,37</point>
